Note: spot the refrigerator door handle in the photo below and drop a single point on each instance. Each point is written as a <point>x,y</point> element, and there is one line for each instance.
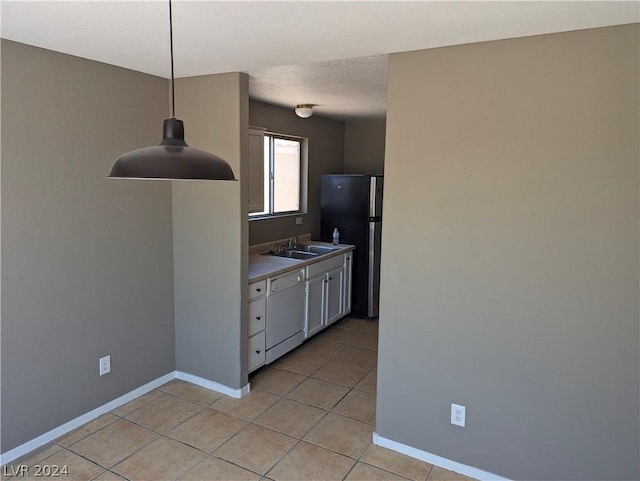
<point>371,253</point>
<point>375,196</point>
<point>372,197</point>
<point>373,281</point>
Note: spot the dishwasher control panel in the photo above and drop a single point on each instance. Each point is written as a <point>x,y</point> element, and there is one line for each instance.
<point>290,279</point>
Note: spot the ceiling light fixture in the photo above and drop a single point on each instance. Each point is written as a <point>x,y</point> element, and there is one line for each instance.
<point>173,159</point>
<point>304,110</point>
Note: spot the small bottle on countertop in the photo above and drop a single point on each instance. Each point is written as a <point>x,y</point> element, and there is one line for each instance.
<point>336,237</point>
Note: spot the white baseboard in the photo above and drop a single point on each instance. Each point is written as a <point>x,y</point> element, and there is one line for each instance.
<point>436,460</point>
<point>214,386</point>
<point>55,433</point>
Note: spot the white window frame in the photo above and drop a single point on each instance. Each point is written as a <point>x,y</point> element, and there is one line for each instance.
<point>269,171</point>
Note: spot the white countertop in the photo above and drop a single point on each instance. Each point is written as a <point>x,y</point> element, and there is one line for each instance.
<point>263,266</point>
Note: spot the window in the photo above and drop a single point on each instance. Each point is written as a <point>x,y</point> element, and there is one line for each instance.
<point>284,176</point>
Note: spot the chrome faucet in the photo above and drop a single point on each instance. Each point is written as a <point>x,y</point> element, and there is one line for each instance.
<point>288,244</point>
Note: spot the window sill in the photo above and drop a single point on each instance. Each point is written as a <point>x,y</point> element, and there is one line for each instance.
<point>275,216</point>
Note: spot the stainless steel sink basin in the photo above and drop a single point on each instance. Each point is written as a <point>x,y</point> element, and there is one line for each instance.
<point>316,249</point>
<point>302,252</point>
<point>293,254</point>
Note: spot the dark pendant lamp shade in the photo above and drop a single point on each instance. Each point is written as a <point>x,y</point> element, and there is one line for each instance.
<point>173,159</point>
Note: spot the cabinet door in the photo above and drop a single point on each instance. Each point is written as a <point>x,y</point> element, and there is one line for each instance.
<point>256,351</point>
<point>257,311</point>
<point>335,287</point>
<point>256,170</point>
<point>257,289</point>
<point>314,319</point>
<point>346,297</point>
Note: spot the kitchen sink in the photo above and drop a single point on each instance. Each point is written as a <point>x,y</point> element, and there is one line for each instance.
<point>302,252</point>
<point>293,254</point>
<point>316,249</point>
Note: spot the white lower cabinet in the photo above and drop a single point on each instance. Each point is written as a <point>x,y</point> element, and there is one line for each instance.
<point>327,298</point>
<point>256,351</point>
<point>325,294</point>
<point>346,296</point>
<point>257,313</point>
<point>315,312</point>
<point>335,290</point>
<point>257,319</point>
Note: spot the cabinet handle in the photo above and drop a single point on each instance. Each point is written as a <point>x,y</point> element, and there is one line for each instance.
<point>330,278</point>
<point>326,281</point>
<point>258,318</point>
<point>258,289</point>
<point>257,351</point>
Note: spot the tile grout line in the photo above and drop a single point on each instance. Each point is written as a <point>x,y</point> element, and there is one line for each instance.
<point>164,391</point>
<point>159,436</point>
<point>367,371</point>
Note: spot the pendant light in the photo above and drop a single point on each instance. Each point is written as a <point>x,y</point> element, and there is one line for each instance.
<point>173,159</point>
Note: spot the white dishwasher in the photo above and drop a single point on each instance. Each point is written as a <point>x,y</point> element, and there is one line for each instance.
<point>285,314</point>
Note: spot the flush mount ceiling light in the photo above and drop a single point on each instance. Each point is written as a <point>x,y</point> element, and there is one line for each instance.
<point>173,159</point>
<point>304,110</point>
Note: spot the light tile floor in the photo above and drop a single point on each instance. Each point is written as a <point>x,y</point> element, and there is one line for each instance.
<point>309,416</point>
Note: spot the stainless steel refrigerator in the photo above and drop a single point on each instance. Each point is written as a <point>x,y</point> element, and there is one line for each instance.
<point>353,204</point>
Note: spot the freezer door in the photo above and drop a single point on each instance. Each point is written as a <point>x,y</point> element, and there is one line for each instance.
<point>344,204</point>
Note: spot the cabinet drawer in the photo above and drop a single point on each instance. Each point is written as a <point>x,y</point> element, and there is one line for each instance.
<point>257,289</point>
<point>256,351</point>
<point>257,310</point>
<point>324,266</point>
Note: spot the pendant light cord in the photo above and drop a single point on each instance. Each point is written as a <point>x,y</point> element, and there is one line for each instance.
<point>173,94</point>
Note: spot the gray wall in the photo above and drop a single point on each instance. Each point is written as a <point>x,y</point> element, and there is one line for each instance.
<point>86,261</point>
<point>364,146</point>
<point>210,234</point>
<point>326,151</point>
<point>513,166</point>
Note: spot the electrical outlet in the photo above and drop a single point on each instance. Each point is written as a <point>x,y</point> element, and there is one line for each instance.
<point>105,365</point>
<point>458,414</point>
<point>298,220</point>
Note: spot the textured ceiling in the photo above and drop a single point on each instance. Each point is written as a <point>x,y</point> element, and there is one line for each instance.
<point>333,54</point>
<point>346,89</point>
